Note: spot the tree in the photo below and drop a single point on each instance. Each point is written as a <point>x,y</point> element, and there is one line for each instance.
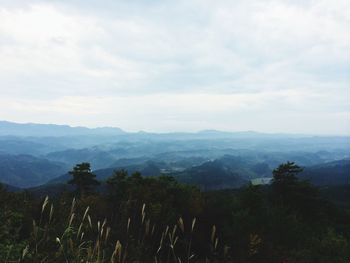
<point>83,179</point>
<point>117,185</point>
<point>289,192</point>
<point>285,182</point>
<point>286,173</point>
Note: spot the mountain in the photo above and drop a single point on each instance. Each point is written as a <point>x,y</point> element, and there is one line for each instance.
<point>330,173</point>
<point>43,130</point>
<point>97,158</point>
<point>148,168</point>
<point>33,154</point>
<point>13,145</point>
<point>211,175</point>
<point>26,171</point>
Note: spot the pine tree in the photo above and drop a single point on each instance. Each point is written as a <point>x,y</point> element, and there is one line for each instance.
<point>83,179</point>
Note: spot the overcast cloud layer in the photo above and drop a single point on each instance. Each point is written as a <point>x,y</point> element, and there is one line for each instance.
<point>186,65</point>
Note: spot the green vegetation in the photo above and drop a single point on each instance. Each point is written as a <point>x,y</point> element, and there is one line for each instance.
<point>26,170</point>
<point>157,219</point>
<point>33,154</point>
<point>83,179</point>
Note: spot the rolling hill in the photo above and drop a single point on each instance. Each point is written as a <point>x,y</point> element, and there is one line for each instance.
<point>330,173</point>
<point>43,130</point>
<point>26,171</point>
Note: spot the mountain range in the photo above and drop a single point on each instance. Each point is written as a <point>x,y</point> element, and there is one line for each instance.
<point>37,154</point>
<point>43,130</point>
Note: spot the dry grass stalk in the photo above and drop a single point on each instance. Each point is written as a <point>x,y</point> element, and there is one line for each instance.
<point>213,232</point>
<point>181,224</point>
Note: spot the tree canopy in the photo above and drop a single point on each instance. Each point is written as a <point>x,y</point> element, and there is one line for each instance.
<point>83,179</point>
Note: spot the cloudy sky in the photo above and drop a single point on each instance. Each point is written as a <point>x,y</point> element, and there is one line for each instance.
<point>179,65</point>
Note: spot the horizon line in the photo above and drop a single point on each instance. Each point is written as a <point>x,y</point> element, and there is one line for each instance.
<point>183,132</point>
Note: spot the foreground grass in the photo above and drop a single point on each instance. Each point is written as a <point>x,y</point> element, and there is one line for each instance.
<point>85,240</point>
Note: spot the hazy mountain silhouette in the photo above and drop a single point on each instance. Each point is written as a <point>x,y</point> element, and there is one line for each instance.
<point>42,130</point>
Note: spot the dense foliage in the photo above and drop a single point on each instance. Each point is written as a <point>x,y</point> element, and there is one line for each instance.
<point>157,219</point>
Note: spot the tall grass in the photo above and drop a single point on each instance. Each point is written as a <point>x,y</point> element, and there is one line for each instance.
<point>84,239</point>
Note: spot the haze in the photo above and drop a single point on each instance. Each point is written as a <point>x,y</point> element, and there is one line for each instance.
<point>268,66</point>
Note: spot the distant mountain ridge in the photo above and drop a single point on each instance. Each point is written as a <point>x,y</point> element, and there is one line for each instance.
<point>26,170</point>
<point>33,154</point>
<point>32,129</point>
<point>148,168</point>
<point>330,173</point>
<point>8,128</point>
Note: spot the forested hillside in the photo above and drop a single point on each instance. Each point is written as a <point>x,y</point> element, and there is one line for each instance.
<point>26,170</point>
<point>46,152</point>
<point>157,219</point>
<point>87,195</point>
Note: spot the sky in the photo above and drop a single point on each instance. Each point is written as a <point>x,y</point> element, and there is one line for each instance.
<point>180,65</point>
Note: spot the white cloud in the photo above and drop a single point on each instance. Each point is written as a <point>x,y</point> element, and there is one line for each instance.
<point>182,65</point>
<point>269,111</point>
